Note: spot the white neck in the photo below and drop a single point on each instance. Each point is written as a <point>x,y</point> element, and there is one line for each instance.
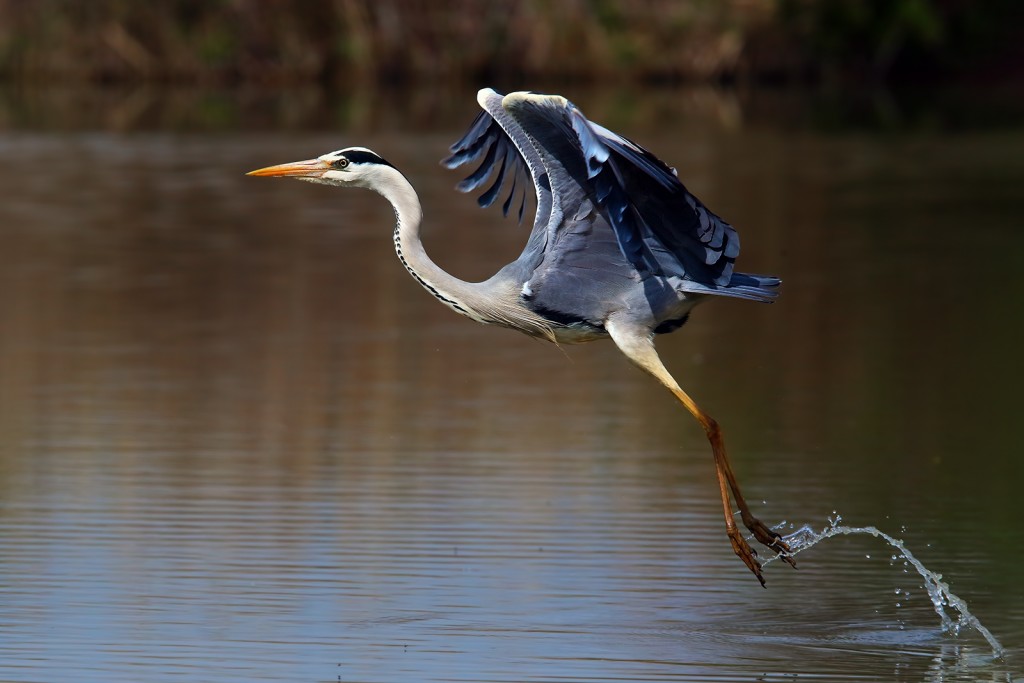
<point>449,290</point>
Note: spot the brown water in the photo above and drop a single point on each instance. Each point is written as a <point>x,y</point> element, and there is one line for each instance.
<point>238,442</point>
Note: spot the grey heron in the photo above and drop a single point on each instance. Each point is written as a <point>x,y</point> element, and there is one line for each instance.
<point>619,247</point>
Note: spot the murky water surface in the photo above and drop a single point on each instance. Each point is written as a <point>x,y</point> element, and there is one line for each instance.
<point>238,442</point>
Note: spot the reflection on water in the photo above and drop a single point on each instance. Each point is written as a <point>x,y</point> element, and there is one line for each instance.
<point>237,442</point>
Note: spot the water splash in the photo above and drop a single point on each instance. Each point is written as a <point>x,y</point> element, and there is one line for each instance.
<point>938,590</point>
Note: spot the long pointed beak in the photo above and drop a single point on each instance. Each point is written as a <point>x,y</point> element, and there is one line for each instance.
<point>311,168</point>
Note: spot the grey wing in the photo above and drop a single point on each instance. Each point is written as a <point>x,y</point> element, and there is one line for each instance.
<point>659,226</point>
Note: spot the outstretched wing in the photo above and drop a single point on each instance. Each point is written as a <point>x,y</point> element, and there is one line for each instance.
<point>659,225</point>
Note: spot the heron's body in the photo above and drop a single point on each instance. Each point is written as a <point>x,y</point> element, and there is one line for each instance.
<point>619,247</point>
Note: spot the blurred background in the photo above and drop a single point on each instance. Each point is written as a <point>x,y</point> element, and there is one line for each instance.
<point>344,41</point>
<point>239,442</point>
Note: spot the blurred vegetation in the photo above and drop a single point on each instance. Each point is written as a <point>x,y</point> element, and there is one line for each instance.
<point>342,41</point>
<point>908,38</point>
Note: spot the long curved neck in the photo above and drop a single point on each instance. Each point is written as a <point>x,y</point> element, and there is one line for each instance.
<point>448,289</point>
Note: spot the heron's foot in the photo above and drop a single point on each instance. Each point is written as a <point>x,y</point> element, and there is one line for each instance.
<point>768,537</point>
<point>745,552</point>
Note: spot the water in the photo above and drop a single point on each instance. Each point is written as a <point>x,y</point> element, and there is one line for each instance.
<point>238,442</point>
<point>941,596</point>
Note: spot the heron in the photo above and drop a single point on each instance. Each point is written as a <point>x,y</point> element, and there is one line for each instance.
<point>619,247</point>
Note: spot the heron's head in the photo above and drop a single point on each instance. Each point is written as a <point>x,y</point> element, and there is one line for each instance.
<point>349,167</point>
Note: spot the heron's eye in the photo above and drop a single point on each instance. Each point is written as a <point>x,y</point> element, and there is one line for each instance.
<point>341,163</point>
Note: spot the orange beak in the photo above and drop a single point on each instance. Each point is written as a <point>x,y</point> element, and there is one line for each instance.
<point>311,168</point>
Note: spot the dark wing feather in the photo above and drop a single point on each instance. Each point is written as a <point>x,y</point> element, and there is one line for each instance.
<point>486,138</point>
<point>495,137</point>
<point>648,203</point>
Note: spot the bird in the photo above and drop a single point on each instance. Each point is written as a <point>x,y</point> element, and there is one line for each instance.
<point>619,247</point>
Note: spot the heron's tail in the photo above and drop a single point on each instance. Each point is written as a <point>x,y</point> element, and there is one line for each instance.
<point>762,288</point>
<point>754,287</point>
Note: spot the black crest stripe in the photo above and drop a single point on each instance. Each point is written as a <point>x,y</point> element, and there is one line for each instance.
<point>359,156</point>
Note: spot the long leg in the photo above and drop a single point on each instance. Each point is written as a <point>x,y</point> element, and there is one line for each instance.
<point>638,345</point>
